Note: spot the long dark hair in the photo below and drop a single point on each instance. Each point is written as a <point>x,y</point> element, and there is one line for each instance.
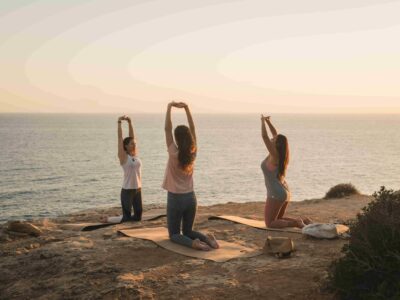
<point>282,146</point>
<point>186,146</point>
<point>126,142</point>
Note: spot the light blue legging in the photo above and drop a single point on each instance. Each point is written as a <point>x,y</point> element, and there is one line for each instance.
<point>181,208</point>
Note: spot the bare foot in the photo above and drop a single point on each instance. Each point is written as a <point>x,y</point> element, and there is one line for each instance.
<point>199,245</point>
<point>307,220</point>
<point>300,223</point>
<point>212,241</point>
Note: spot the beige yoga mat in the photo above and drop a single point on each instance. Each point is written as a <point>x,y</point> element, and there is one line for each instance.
<point>149,215</point>
<point>254,223</point>
<point>159,235</point>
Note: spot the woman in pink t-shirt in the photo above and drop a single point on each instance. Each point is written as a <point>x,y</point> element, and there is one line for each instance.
<point>178,181</point>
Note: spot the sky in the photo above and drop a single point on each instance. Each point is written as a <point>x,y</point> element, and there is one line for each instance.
<point>220,56</point>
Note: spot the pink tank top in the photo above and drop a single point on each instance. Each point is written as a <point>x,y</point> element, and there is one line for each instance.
<point>175,180</point>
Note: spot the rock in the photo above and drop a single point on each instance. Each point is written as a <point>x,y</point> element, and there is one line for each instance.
<point>24,227</point>
<point>123,292</point>
<point>4,237</point>
<point>17,234</point>
<point>46,254</point>
<point>33,246</point>
<point>108,235</point>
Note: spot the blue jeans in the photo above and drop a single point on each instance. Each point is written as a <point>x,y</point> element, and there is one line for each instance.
<point>181,209</point>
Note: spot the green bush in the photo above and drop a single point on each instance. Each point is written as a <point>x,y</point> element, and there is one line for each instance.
<point>370,267</point>
<point>341,190</point>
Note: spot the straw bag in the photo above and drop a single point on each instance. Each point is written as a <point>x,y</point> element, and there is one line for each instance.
<point>281,247</point>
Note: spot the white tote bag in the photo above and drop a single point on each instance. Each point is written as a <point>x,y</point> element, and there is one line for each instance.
<point>325,230</point>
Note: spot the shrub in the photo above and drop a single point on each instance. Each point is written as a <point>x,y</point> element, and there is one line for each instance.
<point>341,190</point>
<point>370,267</point>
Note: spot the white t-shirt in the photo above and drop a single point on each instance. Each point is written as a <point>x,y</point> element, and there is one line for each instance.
<point>132,173</point>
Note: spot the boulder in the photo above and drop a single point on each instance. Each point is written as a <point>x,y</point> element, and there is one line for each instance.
<point>24,227</point>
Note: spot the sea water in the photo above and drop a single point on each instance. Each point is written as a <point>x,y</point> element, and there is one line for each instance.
<point>52,164</point>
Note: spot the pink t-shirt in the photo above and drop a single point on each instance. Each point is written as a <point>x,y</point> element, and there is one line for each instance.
<point>175,180</point>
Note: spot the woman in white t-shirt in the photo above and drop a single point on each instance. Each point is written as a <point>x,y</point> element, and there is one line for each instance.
<point>131,194</point>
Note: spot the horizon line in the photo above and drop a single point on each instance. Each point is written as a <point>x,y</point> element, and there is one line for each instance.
<point>203,113</point>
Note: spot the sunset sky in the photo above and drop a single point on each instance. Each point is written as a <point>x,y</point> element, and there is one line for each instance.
<point>287,56</point>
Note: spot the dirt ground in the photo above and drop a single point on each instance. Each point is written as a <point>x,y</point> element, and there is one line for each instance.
<point>103,264</point>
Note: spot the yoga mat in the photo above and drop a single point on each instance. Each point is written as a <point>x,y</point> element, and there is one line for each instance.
<point>149,215</point>
<point>159,235</point>
<point>254,223</point>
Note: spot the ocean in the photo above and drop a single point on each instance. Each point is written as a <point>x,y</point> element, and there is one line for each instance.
<point>53,164</point>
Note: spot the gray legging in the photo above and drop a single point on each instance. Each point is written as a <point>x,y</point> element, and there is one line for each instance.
<point>181,208</point>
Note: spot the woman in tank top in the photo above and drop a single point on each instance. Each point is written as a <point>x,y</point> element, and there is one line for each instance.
<point>274,170</point>
<point>178,181</point>
<point>131,194</point>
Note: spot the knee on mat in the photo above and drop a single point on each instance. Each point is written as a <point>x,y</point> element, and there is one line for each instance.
<point>173,236</point>
<point>187,233</point>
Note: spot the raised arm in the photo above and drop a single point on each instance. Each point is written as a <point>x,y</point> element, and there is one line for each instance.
<point>121,151</point>
<point>190,121</point>
<point>265,137</point>
<point>131,132</point>
<point>271,127</point>
<point>168,126</point>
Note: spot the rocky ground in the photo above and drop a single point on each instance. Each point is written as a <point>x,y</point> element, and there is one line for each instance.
<point>103,264</point>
